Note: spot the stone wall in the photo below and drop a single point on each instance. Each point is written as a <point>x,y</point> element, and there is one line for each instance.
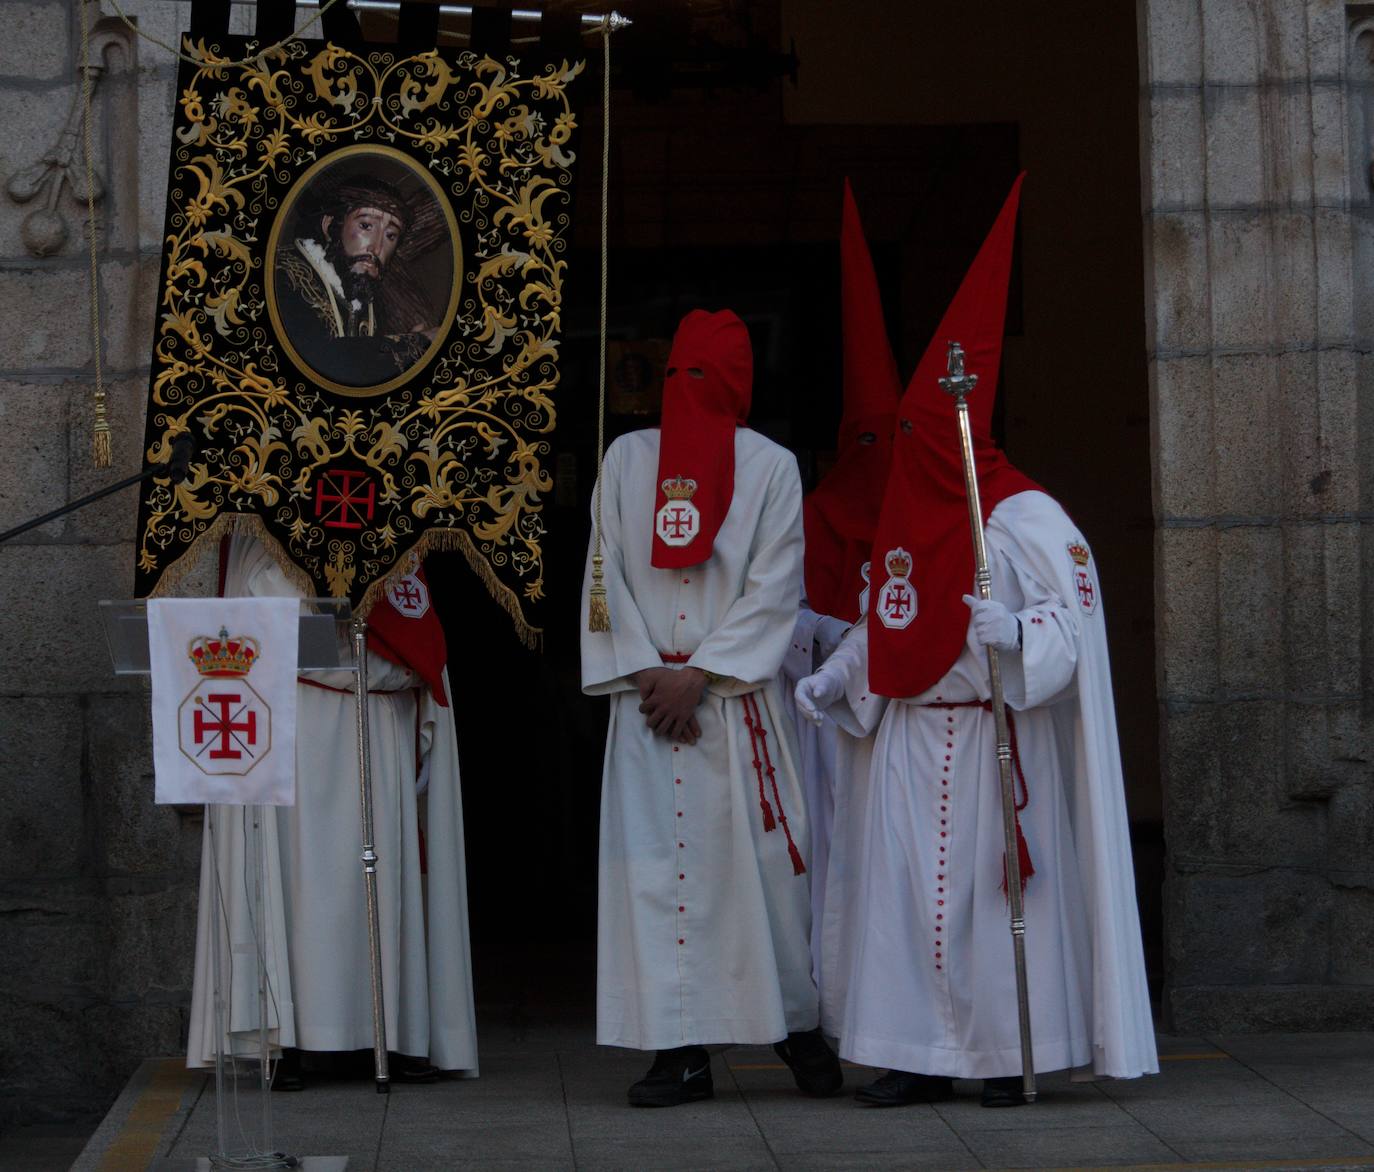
<point>1258,355</point>
<point>97,885</point>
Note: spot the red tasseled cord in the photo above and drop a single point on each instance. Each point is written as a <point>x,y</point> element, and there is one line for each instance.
<point>798,867</point>
<point>1023,859</point>
<point>768,821</point>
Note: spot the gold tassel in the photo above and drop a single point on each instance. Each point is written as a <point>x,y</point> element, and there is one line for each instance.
<point>598,613</point>
<point>102,453</point>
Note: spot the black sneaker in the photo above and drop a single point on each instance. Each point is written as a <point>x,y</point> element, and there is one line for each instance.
<point>812,1062</point>
<point>677,1076</point>
<point>899,1088</point>
<point>1004,1092</point>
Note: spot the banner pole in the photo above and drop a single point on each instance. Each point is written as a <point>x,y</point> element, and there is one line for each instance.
<point>369,858</point>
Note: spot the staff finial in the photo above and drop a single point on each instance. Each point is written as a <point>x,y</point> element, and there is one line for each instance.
<point>958,384</point>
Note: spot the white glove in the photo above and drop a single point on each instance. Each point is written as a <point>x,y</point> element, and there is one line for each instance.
<point>993,624</point>
<point>816,693</point>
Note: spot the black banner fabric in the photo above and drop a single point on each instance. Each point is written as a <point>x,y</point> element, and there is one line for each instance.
<point>359,316</point>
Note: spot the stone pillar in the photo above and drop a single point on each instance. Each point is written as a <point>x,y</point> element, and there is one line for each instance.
<point>1255,339</point>
<point>97,885</point>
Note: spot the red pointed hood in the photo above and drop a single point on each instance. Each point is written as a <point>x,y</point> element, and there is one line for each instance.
<point>706,395</point>
<point>923,551</point>
<point>841,513</point>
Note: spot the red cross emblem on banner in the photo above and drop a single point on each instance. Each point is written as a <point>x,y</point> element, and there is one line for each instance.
<point>225,727</point>
<point>345,499</point>
<point>897,598</point>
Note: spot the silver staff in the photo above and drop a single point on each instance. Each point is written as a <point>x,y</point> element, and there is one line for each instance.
<point>369,858</point>
<point>961,385</point>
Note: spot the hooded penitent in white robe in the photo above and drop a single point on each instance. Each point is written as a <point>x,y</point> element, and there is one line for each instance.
<point>931,985</point>
<point>814,637</point>
<point>316,916</point>
<point>703,923</point>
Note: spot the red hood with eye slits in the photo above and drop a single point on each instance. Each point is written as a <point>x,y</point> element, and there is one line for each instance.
<point>696,446</point>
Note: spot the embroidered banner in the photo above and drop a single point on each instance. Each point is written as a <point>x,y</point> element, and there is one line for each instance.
<point>359,314</point>
<point>224,699</point>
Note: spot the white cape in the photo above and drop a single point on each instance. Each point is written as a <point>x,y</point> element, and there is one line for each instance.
<point>316,937</point>
<point>926,981</point>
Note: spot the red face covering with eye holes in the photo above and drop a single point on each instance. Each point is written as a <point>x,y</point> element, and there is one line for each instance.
<point>706,396</point>
<point>923,560</point>
<point>841,513</point>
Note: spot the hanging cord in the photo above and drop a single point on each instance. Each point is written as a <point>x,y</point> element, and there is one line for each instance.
<point>598,612</point>
<point>201,61</point>
<point>102,449</point>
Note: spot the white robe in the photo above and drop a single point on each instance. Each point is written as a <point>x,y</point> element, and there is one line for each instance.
<point>813,640</point>
<point>317,938</point>
<point>703,926</point>
<point>930,984</point>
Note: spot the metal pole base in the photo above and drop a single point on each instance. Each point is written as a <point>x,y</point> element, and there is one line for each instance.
<point>384,1086</point>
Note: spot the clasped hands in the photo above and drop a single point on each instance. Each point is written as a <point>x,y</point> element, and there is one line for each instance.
<point>669,698</point>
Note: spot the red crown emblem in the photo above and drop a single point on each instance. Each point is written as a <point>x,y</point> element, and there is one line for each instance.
<point>898,562</point>
<point>1079,552</point>
<point>223,656</point>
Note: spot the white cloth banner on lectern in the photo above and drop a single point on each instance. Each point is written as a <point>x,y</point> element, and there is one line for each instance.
<point>224,699</point>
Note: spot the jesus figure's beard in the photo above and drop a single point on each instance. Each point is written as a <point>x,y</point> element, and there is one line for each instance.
<point>361,282</point>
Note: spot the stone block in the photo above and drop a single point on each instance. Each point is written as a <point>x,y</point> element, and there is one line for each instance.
<point>1176,169</point>
<point>1352,937</point>
<point>115,518</point>
<point>1330,157</point>
<point>1241,285</point>
<point>1250,572</point>
<point>1351,830</point>
<point>42,818</point>
<point>54,330</point>
<point>1335,277</point>
<point>35,46</point>
<point>54,643</point>
<point>1286,919</point>
<point>1210,1009</point>
<point>1226,795</point>
<point>153,936</point>
<point>1234,49</point>
<point>43,1074</point>
<point>55,948</point>
<point>1176,270</point>
<point>1246,42</point>
<point>1326,40</point>
<point>1171,34</point>
<point>1245,435</point>
<point>1293,277</point>
<point>1361,229</point>
<point>1236,148</point>
<point>1338,399</point>
<point>129,310</point>
<point>133,836</point>
<point>116,1038</point>
<point>1186,593</point>
<point>1304,615</point>
<point>33,473</point>
<point>158,20</point>
<point>1345,584</point>
<point>1181,390</point>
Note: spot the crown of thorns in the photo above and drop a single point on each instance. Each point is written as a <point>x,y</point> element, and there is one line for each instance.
<point>422,222</point>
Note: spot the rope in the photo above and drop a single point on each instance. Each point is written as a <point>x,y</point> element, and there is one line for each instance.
<point>598,612</point>
<point>200,61</point>
<point>101,446</point>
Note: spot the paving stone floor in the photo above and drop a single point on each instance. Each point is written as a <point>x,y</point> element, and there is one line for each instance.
<point>549,1099</point>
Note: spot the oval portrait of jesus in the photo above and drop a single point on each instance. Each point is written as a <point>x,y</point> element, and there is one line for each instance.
<point>363,270</point>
